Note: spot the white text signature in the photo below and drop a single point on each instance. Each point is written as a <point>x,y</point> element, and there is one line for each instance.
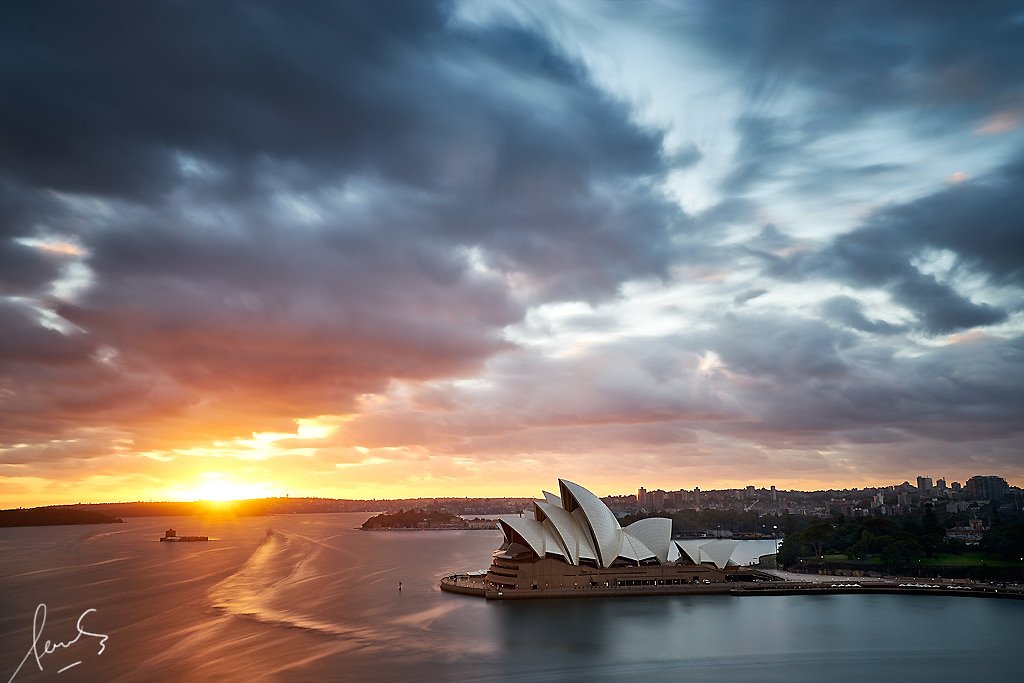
<point>38,650</point>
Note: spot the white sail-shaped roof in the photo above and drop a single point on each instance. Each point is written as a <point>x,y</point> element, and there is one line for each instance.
<point>688,550</point>
<point>587,550</point>
<point>540,539</point>
<point>528,529</point>
<point>604,528</point>
<point>718,552</point>
<point>552,499</point>
<point>565,526</point>
<point>634,549</point>
<point>673,552</point>
<point>653,532</point>
<point>578,526</point>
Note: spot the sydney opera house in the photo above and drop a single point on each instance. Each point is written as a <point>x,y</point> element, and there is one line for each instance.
<point>573,542</point>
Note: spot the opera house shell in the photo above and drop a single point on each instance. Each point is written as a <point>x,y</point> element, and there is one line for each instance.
<point>572,541</point>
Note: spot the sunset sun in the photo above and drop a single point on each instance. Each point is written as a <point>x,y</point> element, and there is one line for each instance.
<point>220,487</point>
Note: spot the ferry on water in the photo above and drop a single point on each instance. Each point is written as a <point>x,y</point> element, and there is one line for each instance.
<point>172,536</point>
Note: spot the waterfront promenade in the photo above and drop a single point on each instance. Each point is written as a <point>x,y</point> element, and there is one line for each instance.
<point>790,583</point>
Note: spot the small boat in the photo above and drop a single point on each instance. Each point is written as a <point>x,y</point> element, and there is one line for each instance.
<point>172,536</point>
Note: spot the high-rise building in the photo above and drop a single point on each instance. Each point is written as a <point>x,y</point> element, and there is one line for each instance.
<point>924,486</point>
<point>991,488</point>
<point>775,494</point>
<point>641,497</point>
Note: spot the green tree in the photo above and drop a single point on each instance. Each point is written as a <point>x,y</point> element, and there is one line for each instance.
<point>930,523</point>
<point>902,554</point>
<point>817,535</point>
<point>862,548</point>
<point>1004,540</point>
<point>791,550</point>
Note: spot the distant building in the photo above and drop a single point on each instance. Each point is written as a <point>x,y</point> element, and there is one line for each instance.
<point>924,486</point>
<point>839,507</point>
<point>956,486</point>
<point>971,532</point>
<point>641,497</point>
<point>774,494</point>
<point>990,488</point>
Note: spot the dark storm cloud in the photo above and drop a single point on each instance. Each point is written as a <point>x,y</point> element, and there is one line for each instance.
<point>108,96</point>
<point>105,95</point>
<point>802,383</point>
<point>776,346</point>
<point>506,139</point>
<point>850,312</point>
<point>954,58</point>
<point>934,66</point>
<point>25,270</point>
<point>763,148</point>
<point>963,392</point>
<point>749,295</point>
<point>980,222</point>
<point>977,222</point>
<point>52,383</point>
<point>426,163</point>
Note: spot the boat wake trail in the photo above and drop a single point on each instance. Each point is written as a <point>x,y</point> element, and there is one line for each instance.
<point>302,580</point>
<point>260,588</point>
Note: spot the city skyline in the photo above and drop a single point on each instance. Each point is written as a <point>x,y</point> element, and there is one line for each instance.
<point>939,485</point>
<point>406,249</point>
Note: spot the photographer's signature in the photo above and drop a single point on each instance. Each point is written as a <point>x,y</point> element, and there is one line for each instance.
<point>38,650</point>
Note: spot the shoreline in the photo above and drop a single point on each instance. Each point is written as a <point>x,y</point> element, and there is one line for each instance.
<point>463,584</point>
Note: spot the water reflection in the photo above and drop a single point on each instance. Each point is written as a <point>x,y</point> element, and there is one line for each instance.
<point>318,600</point>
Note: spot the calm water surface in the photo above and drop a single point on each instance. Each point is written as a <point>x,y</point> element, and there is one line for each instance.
<point>316,599</point>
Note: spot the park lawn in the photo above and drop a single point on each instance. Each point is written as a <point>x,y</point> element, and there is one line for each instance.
<point>843,559</point>
<point>974,559</point>
<point>966,560</point>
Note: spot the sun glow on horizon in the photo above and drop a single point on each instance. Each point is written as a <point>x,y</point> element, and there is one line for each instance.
<point>220,487</point>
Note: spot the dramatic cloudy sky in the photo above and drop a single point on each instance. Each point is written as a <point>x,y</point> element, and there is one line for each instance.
<point>379,249</point>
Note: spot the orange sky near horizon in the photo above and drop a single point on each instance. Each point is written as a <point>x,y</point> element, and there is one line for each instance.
<point>225,484</point>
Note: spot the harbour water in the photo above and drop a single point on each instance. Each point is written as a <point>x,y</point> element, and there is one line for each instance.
<point>310,597</point>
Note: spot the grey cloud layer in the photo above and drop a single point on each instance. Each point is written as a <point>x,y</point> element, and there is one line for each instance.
<point>286,207</point>
<point>279,205</point>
